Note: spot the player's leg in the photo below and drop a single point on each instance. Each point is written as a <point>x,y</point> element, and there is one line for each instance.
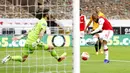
<point>13,58</point>
<point>107,36</point>
<point>5,59</point>
<point>106,60</point>
<point>52,51</point>
<point>100,44</point>
<point>81,34</point>
<point>96,48</point>
<point>28,49</point>
<point>19,58</point>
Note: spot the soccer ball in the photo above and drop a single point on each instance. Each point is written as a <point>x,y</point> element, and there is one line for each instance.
<point>85,56</point>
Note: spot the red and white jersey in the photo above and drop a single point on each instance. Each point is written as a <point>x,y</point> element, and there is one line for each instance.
<point>82,22</point>
<point>106,24</point>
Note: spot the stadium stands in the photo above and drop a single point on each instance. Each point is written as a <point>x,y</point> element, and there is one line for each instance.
<point>8,10</point>
<point>113,9</point>
<point>61,9</point>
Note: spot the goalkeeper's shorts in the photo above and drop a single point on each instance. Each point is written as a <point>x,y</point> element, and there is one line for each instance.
<point>29,49</point>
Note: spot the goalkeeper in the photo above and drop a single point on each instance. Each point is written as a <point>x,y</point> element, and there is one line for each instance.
<point>33,42</point>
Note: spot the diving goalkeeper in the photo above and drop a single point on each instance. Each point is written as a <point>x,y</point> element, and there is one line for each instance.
<point>33,42</point>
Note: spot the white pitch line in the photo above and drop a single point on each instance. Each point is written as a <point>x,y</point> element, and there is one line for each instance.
<point>125,61</point>
<point>120,61</point>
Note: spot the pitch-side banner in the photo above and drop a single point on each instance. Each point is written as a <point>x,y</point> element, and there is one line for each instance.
<point>63,41</point>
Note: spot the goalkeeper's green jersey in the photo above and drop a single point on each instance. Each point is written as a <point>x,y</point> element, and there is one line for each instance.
<point>34,33</point>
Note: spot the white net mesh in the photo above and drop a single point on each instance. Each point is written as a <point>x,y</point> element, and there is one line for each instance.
<point>19,16</point>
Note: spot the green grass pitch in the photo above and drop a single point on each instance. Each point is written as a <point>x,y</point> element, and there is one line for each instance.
<point>41,61</point>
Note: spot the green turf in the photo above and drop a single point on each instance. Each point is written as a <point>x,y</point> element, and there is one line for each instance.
<point>119,61</point>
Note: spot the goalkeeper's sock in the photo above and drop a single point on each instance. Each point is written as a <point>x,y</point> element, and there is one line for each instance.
<point>17,58</point>
<point>54,54</point>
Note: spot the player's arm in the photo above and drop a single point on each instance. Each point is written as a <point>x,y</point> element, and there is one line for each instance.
<point>100,22</point>
<point>41,33</point>
<point>20,36</point>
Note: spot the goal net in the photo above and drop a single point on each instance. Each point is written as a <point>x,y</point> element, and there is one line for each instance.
<point>19,16</point>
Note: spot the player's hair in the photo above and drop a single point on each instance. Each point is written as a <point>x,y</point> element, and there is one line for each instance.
<point>97,7</point>
<point>41,14</point>
<point>94,15</point>
<point>45,12</point>
<point>81,10</point>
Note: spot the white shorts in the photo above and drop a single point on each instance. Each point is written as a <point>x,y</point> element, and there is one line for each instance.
<point>106,35</point>
<point>81,34</point>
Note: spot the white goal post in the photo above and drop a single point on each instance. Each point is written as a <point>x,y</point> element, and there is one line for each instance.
<point>76,37</point>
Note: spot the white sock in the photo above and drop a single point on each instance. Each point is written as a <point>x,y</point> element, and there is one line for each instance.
<point>106,52</point>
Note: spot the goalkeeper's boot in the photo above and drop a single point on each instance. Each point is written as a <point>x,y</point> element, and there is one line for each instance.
<point>106,61</point>
<point>62,57</point>
<point>7,58</point>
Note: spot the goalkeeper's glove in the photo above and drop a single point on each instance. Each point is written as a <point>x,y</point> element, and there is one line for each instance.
<point>38,40</point>
<point>34,44</point>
